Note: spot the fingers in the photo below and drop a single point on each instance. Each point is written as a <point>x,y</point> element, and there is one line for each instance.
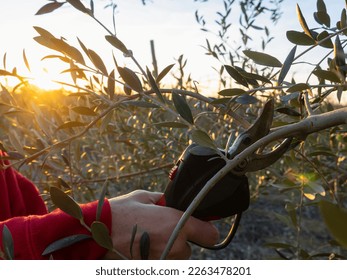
<point>201,232</point>
<point>146,197</point>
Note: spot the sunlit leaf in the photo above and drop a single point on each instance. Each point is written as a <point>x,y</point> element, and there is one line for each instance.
<point>50,7</point>
<point>231,92</point>
<point>118,44</point>
<point>250,81</point>
<point>7,243</point>
<point>327,75</point>
<point>43,32</point>
<point>300,38</point>
<point>343,21</point>
<point>298,87</point>
<point>286,66</point>
<point>324,41</point>
<point>303,22</point>
<point>182,107</point>
<point>288,111</point>
<point>84,111</point>
<point>145,246</point>
<point>97,61</point>
<point>202,138</point>
<point>130,78</point>
<point>164,72</point>
<point>111,84</point>
<point>71,124</point>
<point>78,5</point>
<point>246,99</point>
<point>335,219</point>
<point>62,183</point>
<point>321,6</point>
<point>154,85</point>
<point>64,242</point>
<point>70,51</point>
<point>218,101</point>
<point>339,54</point>
<point>321,16</point>
<point>65,203</point>
<point>101,235</point>
<point>26,61</point>
<point>263,58</point>
<point>236,75</point>
<point>101,201</point>
<point>254,77</point>
<point>311,189</point>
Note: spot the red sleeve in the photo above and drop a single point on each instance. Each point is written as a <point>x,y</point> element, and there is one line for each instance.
<point>33,229</point>
<point>32,234</point>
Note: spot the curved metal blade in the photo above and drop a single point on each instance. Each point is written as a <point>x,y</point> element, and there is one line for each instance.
<point>259,129</point>
<point>261,161</point>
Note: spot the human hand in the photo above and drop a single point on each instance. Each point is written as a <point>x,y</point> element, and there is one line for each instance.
<point>138,208</point>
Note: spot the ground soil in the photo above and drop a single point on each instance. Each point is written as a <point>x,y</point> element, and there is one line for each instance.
<point>261,225</point>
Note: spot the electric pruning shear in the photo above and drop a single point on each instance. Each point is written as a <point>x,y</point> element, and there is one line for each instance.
<point>230,196</point>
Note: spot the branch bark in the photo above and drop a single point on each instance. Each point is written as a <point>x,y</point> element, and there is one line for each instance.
<point>312,124</point>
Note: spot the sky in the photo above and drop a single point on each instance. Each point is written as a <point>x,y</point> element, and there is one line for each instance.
<point>170,23</point>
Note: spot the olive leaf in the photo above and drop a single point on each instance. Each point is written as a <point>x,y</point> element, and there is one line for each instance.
<point>324,40</point>
<point>182,107</point>
<point>71,124</point>
<point>101,235</point>
<point>26,60</point>
<point>286,66</point>
<point>145,246</point>
<point>132,239</point>
<point>154,85</point>
<point>335,219</point>
<point>263,58</point>
<point>101,201</point>
<point>202,138</point>
<point>130,78</point>
<point>300,38</point>
<point>164,72</point>
<point>77,4</point>
<point>321,16</point>
<point>64,242</point>
<point>97,61</point>
<point>111,84</point>
<point>327,75</point>
<point>298,87</point>
<point>246,99</point>
<point>236,75</point>
<point>118,44</point>
<point>50,7</point>
<point>66,203</point>
<point>7,243</point>
<point>67,49</point>
<point>84,111</point>
<point>232,92</point>
<point>303,22</point>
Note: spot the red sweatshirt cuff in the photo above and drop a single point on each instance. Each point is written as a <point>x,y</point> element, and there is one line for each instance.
<point>32,234</point>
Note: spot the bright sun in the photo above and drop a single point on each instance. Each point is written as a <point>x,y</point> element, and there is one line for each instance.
<point>45,79</point>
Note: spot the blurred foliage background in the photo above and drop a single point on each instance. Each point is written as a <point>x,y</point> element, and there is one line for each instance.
<point>126,128</point>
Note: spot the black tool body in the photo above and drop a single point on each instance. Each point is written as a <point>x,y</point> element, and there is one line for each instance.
<point>194,168</point>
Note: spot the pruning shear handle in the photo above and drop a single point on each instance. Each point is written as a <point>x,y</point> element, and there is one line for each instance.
<point>230,196</point>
